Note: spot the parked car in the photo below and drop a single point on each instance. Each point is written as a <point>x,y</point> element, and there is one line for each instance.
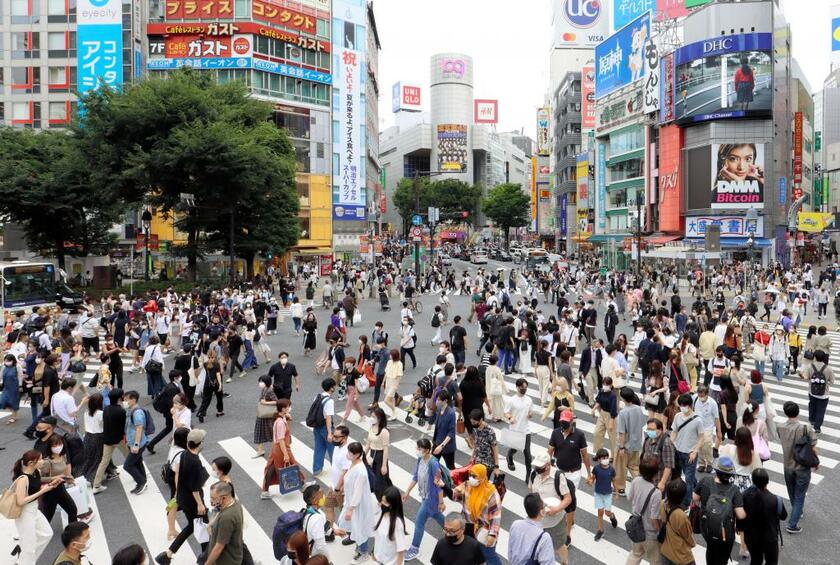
<point>503,255</point>
<point>479,259</point>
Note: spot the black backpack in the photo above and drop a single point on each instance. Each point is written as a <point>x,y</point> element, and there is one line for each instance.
<point>818,383</point>
<point>435,320</point>
<point>315,416</point>
<point>717,521</point>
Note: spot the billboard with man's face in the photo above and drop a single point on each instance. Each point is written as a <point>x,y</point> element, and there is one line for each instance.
<point>737,176</point>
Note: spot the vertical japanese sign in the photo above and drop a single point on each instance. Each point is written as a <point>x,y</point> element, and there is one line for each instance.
<point>797,155</point>
<point>601,182</point>
<point>349,204</point>
<point>534,190</point>
<point>543,141</point>
<point>587,96</point>
<point>652,70</point>
<point>99,44</point>
<point>564,210</point>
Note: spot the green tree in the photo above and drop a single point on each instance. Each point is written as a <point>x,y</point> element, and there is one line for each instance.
<point>46,187</point>
<point>405,198</point>
<point>454,196</point>
<point>188,134</point>
<point>508,207</point>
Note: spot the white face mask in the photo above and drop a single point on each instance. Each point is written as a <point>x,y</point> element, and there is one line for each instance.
<point>605,462</point>
<point>684,409</point>
<point>442,350</point>
<point>86,547</point>
<point>473,481</point>
<point>58,449</point>
<point>606,388</point>
<point>283,361</point>
<point>262,384</point>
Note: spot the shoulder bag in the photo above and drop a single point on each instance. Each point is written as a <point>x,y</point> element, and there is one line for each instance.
<point>8,502</point>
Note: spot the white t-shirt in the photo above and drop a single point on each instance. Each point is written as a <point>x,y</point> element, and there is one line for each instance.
<point>314,523</point>
<point>184,418</point>
<point>340,463</point>
<point>519,407</point>
<point>385,551</point>
<point>93,424</point>
<point>62,405</point>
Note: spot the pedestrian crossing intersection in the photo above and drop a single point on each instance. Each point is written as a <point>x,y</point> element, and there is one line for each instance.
<point>147,512</point>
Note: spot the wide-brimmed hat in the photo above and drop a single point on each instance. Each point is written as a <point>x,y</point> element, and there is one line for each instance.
<point>725,465</point>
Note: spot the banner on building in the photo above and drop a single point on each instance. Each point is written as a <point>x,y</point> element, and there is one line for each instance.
<point>737,175</point>
<point>618,109</point>
<point>601,182</point>
<point>797,152</point>
<point>670,196</point>
<point>232,28</point>
<point>814,222</point>
<point>666,83</point>
<point>730,226</point>
<point>349,202</point>
<point>405,97</point>
<point>264,11</point>
<point>543,137</point>
<point>452,147</point>
<point>625,11</point>
<point>587,97</point>
<point>652,78</point>
<point>835,31</point>
<point>564,210</point>
<point>670,9</point>
<point>533,192</point>
<point>582,181</point>
<point>620,59</point>
<point>197,46</point>
<point>200,10</point>
<point>99,44</point>
<point>580,23</point>
<point>486,111</point>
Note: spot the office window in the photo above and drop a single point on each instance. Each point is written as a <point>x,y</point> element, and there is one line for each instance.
<point>58,111</point>
<point>58,75</point>
<point>56,8</point>
<point>56,40</point>
<point>322,28</point>
<point>20,76</point>
<point>20,111</point>
<point>319,150</point>
<point>20,8</point>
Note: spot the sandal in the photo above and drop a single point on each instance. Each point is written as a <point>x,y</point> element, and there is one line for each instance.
<point>10,421</point>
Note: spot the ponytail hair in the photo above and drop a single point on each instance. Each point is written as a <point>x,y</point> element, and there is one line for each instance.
<point>27,458</point>
<point>356,449</point>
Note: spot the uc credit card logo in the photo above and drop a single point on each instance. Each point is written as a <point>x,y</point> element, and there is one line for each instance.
<point>582,13</point>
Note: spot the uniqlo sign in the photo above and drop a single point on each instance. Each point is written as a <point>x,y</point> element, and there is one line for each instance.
<point>405,97</point>
<point>411,95</point>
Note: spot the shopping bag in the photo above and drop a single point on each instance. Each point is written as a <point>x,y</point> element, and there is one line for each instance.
<point>460,474</point>
<point>288,479</point>
<point>362,385</point>
<point>512,439</point>
<point>357,316</point>
<point>78,491</point>
<point>200,531</point>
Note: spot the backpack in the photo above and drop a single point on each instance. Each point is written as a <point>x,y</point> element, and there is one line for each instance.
<point>435,320</point>
<point>167,475</point>
<point>149,427</point>
<point>163,401</point>
<point>427,383</point>
<point>287,524</point>
<point>635,525</point>
<point>717,521</point>
<point>817,380</point>
<point>445,475</point>
<point>315,417</point>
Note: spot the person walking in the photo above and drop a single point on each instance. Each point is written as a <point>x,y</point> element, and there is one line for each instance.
<point>496,388</point>
<point>266,413</point>
<point>310,328</point>
<point>33,528</point>
<point>603,480</point>
<point>761,528</point>
<point>136,440</point>
<point>408,341</point>
<point>720,503</point>
<point>376,449</point>
<point>427,472</point>
<point>797,475</point>
<point>445,429</point>
<point>707,408</point>
<point>529,543</point>
<point>113,437</point>
<point>360,506</point>
<point>645,501</point>
<point>189,494</point>
<point>321,423</point>
<point>676,549</point>
<point>630,431</point>
<point>285,375</point>
<point>456,546</point>
<point>351,375</point>
<point>76,540</point>
<point>518,414</point>
<point>819,376</point>
<point>390,535</point>
<point>687,435</point>
<point>94,437</point>
<point>163,403</point>
<point>392,377</point>
<point>12,379</point>
<point>213,386</point>
<point>555,485</point>
<point>281,455</point>
<point>152,364</point>
<point>482,510</point>
<point>226,546</point>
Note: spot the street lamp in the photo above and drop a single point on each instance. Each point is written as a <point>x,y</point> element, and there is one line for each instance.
<point>750,245</point>
<point>146,218</point>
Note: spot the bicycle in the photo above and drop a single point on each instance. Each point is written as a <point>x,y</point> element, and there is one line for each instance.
<point>415,306</point>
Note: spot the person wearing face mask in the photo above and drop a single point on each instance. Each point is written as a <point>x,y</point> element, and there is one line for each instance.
<point>529,543</point>
<point>350,376</point>
<point>113,437</point>
<point>189,493</point>
<point>110,354</point>
<point>603,479</point>
<point>10,399</point>
<point>76,541</point>
<point>360,506</point>
<point>707,408</point>
<point>606,412</point>
<point>558,494</point>
<point>266,410</point>
<point>456,547</point>
<point>630,426</point>
<point>390,534</point>
<point>427,472</point>
<point>445,429</point>
<point>42,383</point>
<point>297,549</point>
<point>518,410</point>
<point>408,341</point>
<point>56,465</point>
<point>163,403</point>
<point>393,376</point>
<point>281,448</point>
<point>226,546</point>
<point>283,373</point>
<point>658,444</point>
<point>688,436</point>
<point>569,448</point>
<point>482,509</point>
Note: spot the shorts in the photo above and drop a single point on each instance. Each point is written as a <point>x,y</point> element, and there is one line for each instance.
<point>334,499</point>
<point>603,501</point>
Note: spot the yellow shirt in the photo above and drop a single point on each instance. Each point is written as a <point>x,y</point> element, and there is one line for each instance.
<point>707,345</point>
<point>794,339</point>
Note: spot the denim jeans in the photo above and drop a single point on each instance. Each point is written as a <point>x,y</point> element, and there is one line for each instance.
<point>35,407</point>
<point>322,447</point>
<point>420,523</point>
<point>506,360</point>
<point>460,355</point>
<point>779,370</point>
<point>690,471</point>
<point>133,465</point>
<point>490,555</point>
<point>797,485</point>
<point>816,411</point>
<point>759,366</point>
<point>363,547</point>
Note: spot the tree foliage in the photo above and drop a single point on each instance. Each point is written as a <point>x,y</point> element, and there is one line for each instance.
<point>188,134</point>
<point>508,207</point>
<point>46,187</point>
<point>451,196</point>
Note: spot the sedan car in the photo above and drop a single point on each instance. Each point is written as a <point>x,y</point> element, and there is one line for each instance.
<point>503,255</point>
<point>479,259</point>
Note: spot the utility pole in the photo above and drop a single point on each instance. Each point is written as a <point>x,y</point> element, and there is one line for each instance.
<point>232,258</point>
<point>638,235</point>
<point>416,212</point>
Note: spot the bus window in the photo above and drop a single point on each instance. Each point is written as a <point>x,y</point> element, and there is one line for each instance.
<point>28,285</point>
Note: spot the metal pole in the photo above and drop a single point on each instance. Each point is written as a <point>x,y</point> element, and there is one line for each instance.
<point>416,211</point>
<point>146,253</point>
<point>232,258</point>
<point>131,272</point>
<point>638,235</point>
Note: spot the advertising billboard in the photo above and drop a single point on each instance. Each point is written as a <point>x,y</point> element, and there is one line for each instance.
<point>666,84</point>
<point>670,9</point>
<point>582,180</point>
<point>543,137</point>
<point>231,28</point>
<point>601,181</point>
<point>580,23</point>
<point>670,179</point>
<point>486,111</point>
<point>835,29</point>
<point>653,76</point>
<point>619,60</point>
<point>405,97</point>
<point>618,109</point>
<point>196,46</point>
<point>564,211</point>
<point>264,11</point>
<point>737,176</point>
<point>349,203</point>
<point>797,154</point>
<point>730,226</point>
<point>199,10</point>
<point>452,147</point>
<point>724,77</point>
<point>99,43</point>
<point>533,191</point>
<point>625,11</point>
<point>587,97</point>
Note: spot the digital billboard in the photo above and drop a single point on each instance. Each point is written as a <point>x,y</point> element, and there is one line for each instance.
<point>737,176</point>
<point>625,11</point>
<point>620,59</point>
<point>452,147</point>
<point>587,96</point>
<point>580,23</point>
<point>99,43</point>
<point>724,77</point>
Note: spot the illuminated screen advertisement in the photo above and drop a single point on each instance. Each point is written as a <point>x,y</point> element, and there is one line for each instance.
<point>724,77</point>
<point>737,176</point>
<point>452,147</point>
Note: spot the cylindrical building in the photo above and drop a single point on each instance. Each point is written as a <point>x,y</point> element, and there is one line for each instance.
<point>452,114</point>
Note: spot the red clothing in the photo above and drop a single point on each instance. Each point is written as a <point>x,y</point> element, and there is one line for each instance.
<point>741,76</point>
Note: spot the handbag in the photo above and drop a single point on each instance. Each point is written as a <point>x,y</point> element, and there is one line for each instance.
<point>512,439</point>
<point>761,447</point>
<point>803,453</point>
<point>200,531</point>
<point>8,503</point>
<point>652,400</point>
<point>78,367</point>
<point>499,483</point>
<point>682,386</point>
<point>357,316</point>
<point>460,427</point>
<point>694,514</point>
<point>266,410</point>
<point>362,384</point>
<point>154,366</point>
<point>635,525</point>
<point>460,475</point>
<point>288,479</point>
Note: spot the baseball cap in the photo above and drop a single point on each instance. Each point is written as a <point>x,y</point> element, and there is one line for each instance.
<point>567,416</point>
<point>196,436</point>
<point>541,459</point>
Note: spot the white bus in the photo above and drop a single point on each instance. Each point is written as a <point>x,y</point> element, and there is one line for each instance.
<point>28,284</point>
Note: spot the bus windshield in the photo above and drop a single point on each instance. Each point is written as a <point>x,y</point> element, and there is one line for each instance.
<point>28,285</point>
<point>537,262</point>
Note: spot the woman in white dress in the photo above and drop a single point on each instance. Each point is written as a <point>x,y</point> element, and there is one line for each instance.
<point>496,389</point>
<point>524,348</point>
<point>391,538</point>
<point>360,510</point>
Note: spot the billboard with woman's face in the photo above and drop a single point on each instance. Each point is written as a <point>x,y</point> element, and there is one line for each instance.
<point>737,176</point>
<point>724,77</point>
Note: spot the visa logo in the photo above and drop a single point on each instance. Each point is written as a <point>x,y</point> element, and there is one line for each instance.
<point>594,38</point>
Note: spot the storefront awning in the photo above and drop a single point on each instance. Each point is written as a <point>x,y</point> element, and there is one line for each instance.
<point>312,251</point>
<point>661,239</point>
<point>742,242</point>
<point>604,237</point>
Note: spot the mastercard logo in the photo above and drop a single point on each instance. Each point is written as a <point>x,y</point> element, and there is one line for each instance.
<point>241,45</point>
<point>572,36</point>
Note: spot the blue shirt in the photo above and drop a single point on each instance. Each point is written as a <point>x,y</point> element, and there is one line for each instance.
<point>445,426</point>
<point>432,490</point>
<point>523,535</point>
<point>136,417</point>
<point>603,478</point>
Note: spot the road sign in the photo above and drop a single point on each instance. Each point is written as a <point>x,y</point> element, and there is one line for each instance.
<point>416,232</point>
<point>416,219</point>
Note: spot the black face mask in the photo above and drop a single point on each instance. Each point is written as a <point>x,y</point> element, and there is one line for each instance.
<point>40,434</point>
<point>291,555</point>
<point>451,539</point>
<point>565,426</point>
<point>337,442</point>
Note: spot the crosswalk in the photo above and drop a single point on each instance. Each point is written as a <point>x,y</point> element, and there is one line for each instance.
<point>146,510</point>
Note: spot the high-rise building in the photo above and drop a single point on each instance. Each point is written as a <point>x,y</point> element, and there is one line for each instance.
<point>831,140</point>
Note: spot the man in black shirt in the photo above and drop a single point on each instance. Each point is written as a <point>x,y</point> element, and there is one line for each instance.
<point>283,373</point>
<point>163,404</point>
<point>458,340</point>
<point>184,363</point>
<point>568,447</point>
<point>505,343</point>
<point>455,547</point>
<point>113,433</point>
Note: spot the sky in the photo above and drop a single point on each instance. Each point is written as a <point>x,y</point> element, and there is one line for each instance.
<point>509,43</point>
